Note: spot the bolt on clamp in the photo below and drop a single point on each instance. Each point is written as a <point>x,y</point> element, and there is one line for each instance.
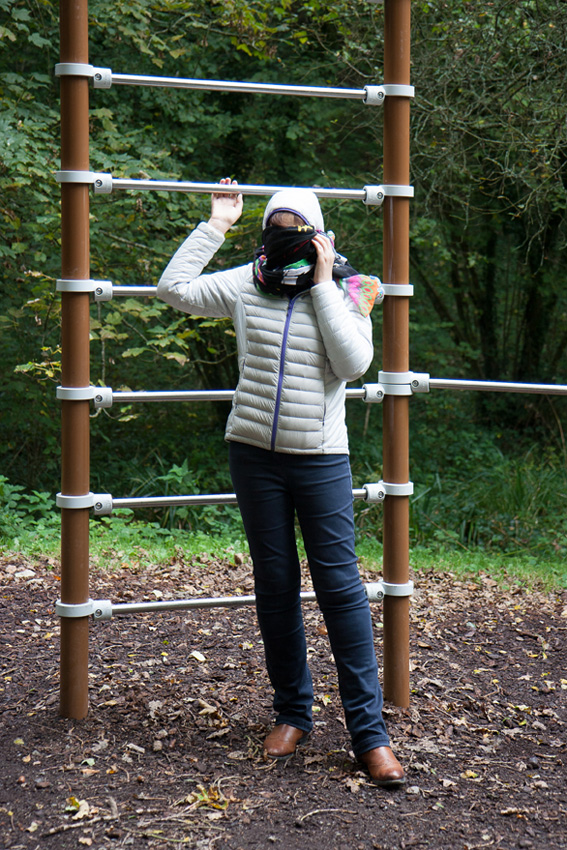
<point>102,77</point>
<point>374,195</point>
<point>404,383</point>
<point>374,591</point>
<point>377,590</point>
<point>375,95</point>
<point>102,504</point>
<point>420,382</point>
<point>97,287</point>
<point>102,609</point>
<point>102,182</point>
<point>104,291</point>
<point>102,396</point>
<point>373,393</point>
<point>377,491</point>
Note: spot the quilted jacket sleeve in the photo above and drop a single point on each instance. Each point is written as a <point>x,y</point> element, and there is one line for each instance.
<point>347,335</point>
<point>185,287</point>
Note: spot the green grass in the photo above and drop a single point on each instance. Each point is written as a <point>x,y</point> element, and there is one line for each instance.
<point>521,569</point>
<point>119,539</point>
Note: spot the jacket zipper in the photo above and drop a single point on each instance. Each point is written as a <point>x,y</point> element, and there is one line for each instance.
<point>281,370</point>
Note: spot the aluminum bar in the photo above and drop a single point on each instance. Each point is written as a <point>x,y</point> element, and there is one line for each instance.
<point>497,386</point>
<point>167,395</point>
<point>199,499</point>
<point>188,604</point>
<point>220,188</point>
<point>134,290</point>
<point>237,87</point>
<point>174,501</point>
<point>126,397</point>
<point>103,609</point>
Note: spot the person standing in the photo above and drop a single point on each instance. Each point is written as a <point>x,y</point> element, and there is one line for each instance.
<point>301,317</point>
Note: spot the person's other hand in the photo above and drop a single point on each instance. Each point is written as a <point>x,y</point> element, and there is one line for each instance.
<point>325,258</point>
<point>226,209</point>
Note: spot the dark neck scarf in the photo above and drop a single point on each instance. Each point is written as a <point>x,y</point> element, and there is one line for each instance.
<point>284,264</point>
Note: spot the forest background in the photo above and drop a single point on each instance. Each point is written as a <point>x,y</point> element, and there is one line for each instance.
<point>488,231</point>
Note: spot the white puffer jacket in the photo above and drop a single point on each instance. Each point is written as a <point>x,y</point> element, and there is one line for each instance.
<point>294,356</point>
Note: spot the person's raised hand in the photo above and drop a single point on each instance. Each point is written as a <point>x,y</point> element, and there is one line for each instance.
<point>226,209</point>
<point>325,258</point>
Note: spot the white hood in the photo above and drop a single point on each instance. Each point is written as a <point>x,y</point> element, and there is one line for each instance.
<point>303,202</point>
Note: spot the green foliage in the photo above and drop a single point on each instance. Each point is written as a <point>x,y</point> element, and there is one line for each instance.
<point>183,480</point>
<point>120,540</point>
<point>511,505</point>
<point>25,515</point>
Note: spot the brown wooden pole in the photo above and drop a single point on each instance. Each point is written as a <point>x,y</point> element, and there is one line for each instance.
<point>395,350</point>
<point>75,371</point>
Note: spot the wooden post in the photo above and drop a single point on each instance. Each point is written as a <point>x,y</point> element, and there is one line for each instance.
<point>75,371</point>
<point>395,352</point>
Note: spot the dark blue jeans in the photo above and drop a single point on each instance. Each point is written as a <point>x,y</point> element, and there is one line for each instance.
<point>272,488</point>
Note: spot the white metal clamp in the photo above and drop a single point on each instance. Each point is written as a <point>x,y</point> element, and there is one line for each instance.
<point>373,393</point>
<point>398,289</point>
<point>102,396</point>
<point>100,288</point>
<point>101,77</point>
<point>376,95</point>
<point>391,589</point>
<point>74,502</point>
<point>374,195</point>
<point>404,383</point>
<point>101,502</point>
<point>377,491</point>
<point>103,609</point>
<point>83,609</point>
<point>377,590</point>
<point>102,182</point>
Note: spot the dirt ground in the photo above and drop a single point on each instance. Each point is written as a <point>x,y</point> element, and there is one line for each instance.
<point>170,754</point>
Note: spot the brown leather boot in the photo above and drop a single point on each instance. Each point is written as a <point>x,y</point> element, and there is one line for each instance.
<point>283,740</point>
<point>383,767</point>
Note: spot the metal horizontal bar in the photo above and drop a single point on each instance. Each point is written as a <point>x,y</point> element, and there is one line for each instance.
<point>126,397</point>
<point>134,290</point>
<point>104,609</point>
<point>172,395</point>
<point>174,501</point>
<point>497,386</point>
<point>227,189</point>
<point>188,604</point>
<point>199,499</point>
<point>356,392</point>
<point>237,87</point>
